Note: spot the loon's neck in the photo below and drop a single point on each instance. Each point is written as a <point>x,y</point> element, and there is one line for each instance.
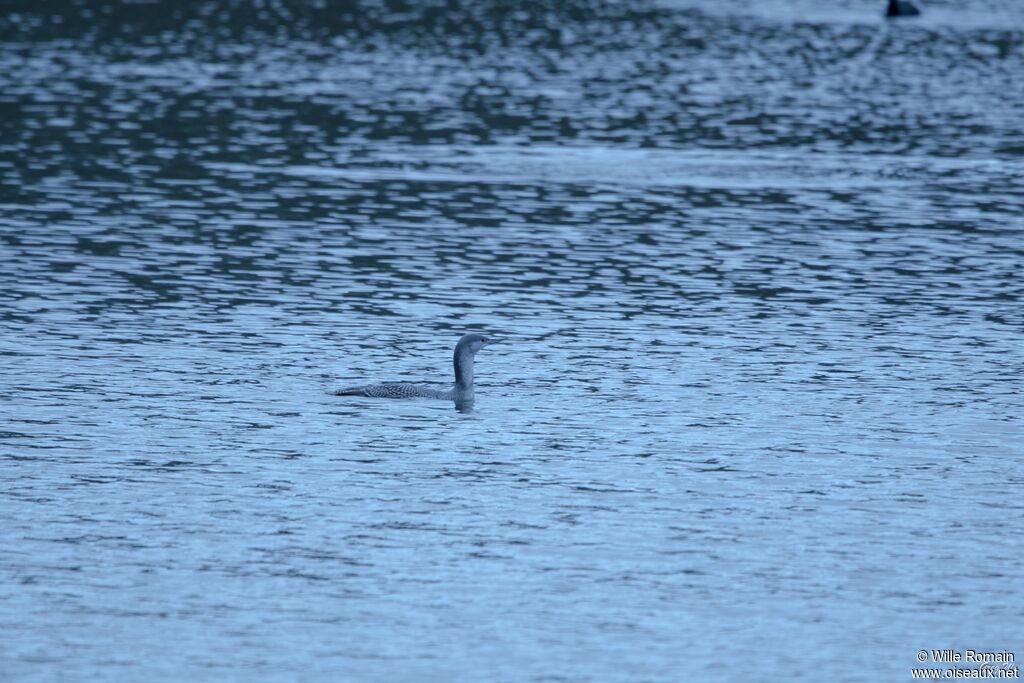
<point>463,374</point>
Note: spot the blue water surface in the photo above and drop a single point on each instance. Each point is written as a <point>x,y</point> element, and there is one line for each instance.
<point>754,269</point>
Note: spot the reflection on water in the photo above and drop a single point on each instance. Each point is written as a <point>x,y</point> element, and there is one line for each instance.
<point>757,274</point>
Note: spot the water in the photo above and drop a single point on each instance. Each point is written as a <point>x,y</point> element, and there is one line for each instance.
<point>756,409</point>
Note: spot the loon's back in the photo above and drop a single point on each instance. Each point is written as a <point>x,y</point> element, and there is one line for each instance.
<point>394,390</point>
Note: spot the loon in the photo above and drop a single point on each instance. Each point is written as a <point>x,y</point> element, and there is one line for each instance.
<point>465,351</point>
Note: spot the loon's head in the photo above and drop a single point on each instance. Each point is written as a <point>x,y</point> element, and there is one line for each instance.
<point>470,343</point>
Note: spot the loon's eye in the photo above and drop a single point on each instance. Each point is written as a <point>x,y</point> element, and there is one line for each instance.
<point>483,339</point>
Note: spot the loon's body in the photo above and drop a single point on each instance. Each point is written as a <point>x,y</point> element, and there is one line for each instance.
<point>465,352</point>
<point>396,390</point>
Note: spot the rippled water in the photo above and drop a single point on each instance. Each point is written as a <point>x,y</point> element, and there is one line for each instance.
<point>756,272</point>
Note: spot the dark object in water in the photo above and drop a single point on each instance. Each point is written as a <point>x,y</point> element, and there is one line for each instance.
<point>462,392</point>
<point>901,8</point>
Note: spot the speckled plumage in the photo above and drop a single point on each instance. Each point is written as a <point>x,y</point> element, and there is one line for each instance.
<point>395,390</point>
<point>462,359</point>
